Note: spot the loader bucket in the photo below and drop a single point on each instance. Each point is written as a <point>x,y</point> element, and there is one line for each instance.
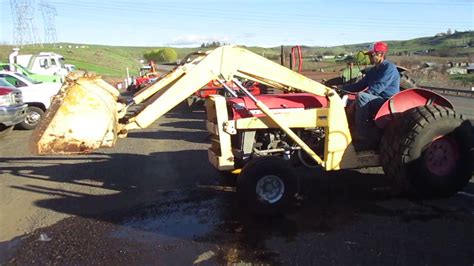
<point>83,116</point>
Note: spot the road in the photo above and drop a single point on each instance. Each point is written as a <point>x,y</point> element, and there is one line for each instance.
<point>154,199</point>
<point>463,105</point>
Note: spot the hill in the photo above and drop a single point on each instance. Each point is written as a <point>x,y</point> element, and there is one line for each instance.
<point>113,61</point>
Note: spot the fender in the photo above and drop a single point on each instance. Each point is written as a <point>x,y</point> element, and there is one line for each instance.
<point>406,100</point>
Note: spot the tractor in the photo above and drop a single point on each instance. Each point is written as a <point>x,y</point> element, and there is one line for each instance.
<point>424,144</point>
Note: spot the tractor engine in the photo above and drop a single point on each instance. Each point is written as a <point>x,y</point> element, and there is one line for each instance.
<point>274,141</point>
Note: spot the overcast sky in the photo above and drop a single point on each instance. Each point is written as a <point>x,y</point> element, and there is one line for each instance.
<point>259,22</point>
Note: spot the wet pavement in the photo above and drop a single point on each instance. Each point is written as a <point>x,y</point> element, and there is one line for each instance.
<point>338,222</point>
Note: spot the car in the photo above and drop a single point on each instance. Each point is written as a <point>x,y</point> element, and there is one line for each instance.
<point>37,95</point>
<point>38,77</point>
<point>12,108</point>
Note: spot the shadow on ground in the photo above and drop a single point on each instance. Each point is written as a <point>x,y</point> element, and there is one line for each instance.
<point>344,216</point>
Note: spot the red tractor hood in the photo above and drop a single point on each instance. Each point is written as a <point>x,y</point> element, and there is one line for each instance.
<point>243,107</point>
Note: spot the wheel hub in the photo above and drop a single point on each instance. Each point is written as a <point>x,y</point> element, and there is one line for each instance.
<point>270,188</point>
<point>441,156</point>
<point>32,118</point>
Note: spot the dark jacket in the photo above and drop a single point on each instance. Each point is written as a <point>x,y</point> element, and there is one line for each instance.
<point>383,81</point>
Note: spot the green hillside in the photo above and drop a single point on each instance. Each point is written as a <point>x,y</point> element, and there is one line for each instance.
<point>113,61</point>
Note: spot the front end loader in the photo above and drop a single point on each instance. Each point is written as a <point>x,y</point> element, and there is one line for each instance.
<point>257,136</point>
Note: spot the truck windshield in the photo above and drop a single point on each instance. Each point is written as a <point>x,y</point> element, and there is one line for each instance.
<point>23,70</point>
<point>61,62</point>
<point>4,83</point>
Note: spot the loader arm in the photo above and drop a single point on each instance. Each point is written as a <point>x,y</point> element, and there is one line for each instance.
<point>226,63</point>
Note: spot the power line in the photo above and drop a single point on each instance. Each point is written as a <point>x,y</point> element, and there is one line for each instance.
<point>24,26</point>
<point>49,13</point>
<point>214,14</point>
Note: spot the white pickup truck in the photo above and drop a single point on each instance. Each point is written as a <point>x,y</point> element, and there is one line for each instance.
<point>46,63</point>
<point>37,95</point>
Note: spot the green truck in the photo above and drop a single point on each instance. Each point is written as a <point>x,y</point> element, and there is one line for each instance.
<point>38,77</point>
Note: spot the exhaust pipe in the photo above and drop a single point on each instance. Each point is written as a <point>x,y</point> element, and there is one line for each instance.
<point>12,58</point>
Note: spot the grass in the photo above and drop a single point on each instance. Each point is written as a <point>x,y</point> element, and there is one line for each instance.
<point>95,68</point>
<point>464,79</point>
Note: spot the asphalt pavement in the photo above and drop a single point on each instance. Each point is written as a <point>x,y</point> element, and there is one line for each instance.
<point>154,199</point>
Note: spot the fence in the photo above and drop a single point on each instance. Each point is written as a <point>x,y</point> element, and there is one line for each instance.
<point>452,92</point>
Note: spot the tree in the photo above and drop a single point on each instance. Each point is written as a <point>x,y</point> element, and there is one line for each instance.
<point>164,55</point>
<point>212,44</point>
<point>362,59</point>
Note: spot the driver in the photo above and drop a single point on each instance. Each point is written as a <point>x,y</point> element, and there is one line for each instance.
<point>380,83</point>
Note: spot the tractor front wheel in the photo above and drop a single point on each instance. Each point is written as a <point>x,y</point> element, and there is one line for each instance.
<point>427,151</point>
<point>266,186</point>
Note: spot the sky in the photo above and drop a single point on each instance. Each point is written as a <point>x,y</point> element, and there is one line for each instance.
<point>266,23</point>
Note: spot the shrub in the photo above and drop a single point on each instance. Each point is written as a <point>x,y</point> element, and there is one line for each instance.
<point>165,55</point>
<point>361,58</point>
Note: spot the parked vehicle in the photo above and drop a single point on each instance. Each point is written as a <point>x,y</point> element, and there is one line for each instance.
<point>38,77</point>
<point>12,108</point>
<point>70,67</point>
<point>46,63</point>
<point>37,95</point>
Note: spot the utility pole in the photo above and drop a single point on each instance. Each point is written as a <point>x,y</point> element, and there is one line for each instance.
<point>49,13</point>
<point>24,26</point>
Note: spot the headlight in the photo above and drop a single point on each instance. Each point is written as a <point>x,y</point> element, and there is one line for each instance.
<point>10,97</point>
<point>5,100</point>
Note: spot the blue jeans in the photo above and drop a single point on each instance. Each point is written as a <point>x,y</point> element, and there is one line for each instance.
<point>366,107</point>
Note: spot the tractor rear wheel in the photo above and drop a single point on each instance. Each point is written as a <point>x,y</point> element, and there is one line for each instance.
<point>266,186</point>
<point>406,82</point>
<point>426,151</point>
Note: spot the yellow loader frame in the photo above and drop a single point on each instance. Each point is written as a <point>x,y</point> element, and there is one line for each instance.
<point>88,113</point>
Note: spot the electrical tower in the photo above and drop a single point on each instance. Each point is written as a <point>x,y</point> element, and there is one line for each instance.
<point>49,13</point>
<point>24,26</point>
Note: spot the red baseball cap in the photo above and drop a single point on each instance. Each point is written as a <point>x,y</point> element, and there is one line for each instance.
<point>378,47</point>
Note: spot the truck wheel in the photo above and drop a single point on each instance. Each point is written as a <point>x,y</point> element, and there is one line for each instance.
<point>33,116</point>
<point>5,130</point>
<point>426,151</point>
<point>266,186</point>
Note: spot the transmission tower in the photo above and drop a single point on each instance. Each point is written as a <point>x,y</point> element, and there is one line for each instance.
<point>24,26</point>
<point>49,13</point>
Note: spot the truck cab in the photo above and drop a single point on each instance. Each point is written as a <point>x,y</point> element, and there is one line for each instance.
<point>46,63</point>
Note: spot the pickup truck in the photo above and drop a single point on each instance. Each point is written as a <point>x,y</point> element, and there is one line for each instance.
<point>12,108</point>
<point>43,63</point>
<point>38,77</point>
<point>37,95</point>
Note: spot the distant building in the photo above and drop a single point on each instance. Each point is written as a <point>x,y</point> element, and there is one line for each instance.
<point>457,71</point>
<point>470,68</point>
<point>328,56</point>
<point>429,64</point>
<point>318,58</point>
